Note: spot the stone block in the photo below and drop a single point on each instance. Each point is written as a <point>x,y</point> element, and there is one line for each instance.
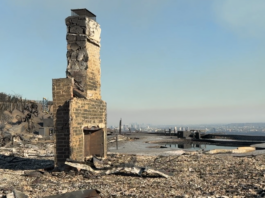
<point>74,20</point>
<point>82,44</point>
<point>74,55</point>
<point>81,23</point>
<point>70,37</point>
<point>81,37</point>
<point>83,65</point>
<point>73,46</point>
<point>76,30</point>
<point>82,56</point>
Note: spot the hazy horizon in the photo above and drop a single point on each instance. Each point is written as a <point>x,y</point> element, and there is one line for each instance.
<point>162,62</point>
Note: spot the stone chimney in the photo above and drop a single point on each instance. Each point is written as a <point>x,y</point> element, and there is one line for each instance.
<point>83,52</point>
<point>79,113</point>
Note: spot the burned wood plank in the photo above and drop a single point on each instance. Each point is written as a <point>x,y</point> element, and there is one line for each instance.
<point>137,170</point>
<point>83,167</point>
<point>130,169</point>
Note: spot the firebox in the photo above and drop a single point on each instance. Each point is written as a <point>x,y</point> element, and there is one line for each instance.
<point>93,141</point>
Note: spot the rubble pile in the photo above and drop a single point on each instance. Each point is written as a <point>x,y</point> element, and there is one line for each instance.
<point>188,175</point>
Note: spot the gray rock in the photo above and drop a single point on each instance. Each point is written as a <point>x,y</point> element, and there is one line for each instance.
<point>81,37</point>
<point>80,55</point>
<point>70,37</point>
<point>19,194</point>
<point>81,23</point>
<point>74,65</point>
<point>74,46</point>
<point>67,22</point>
<point>33,173</point>
<point>76,30</point>
<point>74,55</point>
<point>74,20</point>
<point>85,58</point>
<point>10,195</point>
<point>82,65</point>
<point>69,53</point>
<point>81,43</point>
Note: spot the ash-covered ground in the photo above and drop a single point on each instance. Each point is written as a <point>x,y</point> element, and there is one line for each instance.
<point>26,164</point>
<point>29,169</point>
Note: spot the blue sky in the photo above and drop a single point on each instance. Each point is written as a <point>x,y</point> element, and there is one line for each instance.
<point>162,61</point>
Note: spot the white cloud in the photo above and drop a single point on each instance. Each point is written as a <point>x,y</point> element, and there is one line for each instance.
<point>243,17</point>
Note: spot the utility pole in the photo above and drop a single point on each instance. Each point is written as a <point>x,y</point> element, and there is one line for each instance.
<point>120,127</point>
<point>117,140</point>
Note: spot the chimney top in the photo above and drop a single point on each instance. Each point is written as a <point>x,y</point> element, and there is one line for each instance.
<point>84,12</point>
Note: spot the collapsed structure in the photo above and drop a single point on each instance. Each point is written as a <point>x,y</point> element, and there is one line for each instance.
<point>79,113</point>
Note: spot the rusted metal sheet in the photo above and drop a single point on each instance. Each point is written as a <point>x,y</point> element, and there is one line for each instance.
<point>87,143</point>
<point>80,194</point>
<point>94,142</point>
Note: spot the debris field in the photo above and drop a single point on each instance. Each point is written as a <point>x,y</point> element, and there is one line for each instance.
<point>192,174</point>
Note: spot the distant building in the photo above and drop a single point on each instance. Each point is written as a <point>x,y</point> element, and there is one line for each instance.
<point>183,134</point>
<point>184,146</point>
<point>47,130</point>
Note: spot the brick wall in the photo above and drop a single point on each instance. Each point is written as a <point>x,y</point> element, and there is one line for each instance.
<point>85,113</point>
<point>62,92</point>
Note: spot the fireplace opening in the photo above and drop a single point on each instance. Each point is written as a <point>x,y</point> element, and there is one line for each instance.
<point>93,142</point>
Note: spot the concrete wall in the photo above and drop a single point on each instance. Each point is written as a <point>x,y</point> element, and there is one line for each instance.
<point>45,132</point>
